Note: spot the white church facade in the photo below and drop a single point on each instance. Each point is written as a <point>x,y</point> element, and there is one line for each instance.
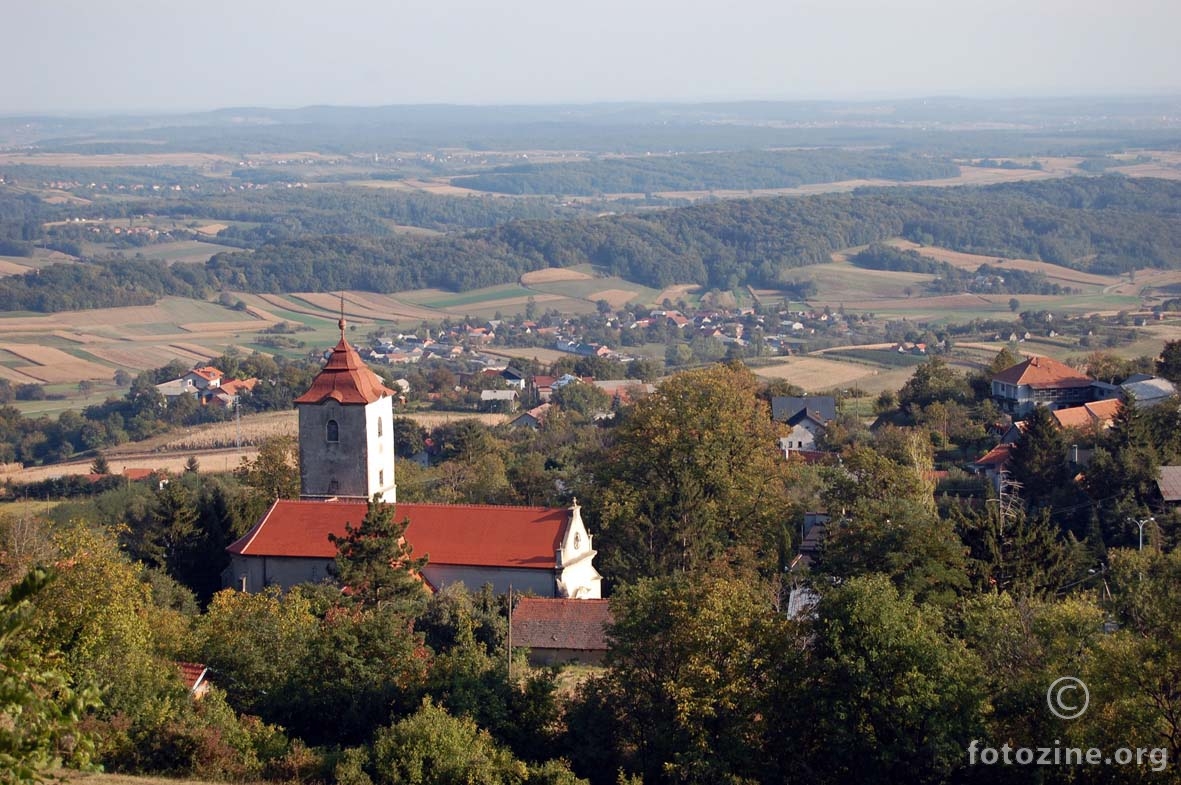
<point>346,453</point>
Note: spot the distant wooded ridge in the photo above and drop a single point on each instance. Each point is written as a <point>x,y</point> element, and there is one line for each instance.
<point>948,126</point>
<point>750,169</point>
<point>1103,225</point>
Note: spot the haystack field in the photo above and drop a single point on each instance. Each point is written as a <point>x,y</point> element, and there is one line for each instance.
<point>553,274</point>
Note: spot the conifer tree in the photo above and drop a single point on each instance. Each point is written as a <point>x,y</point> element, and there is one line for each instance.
<point>375,562</point>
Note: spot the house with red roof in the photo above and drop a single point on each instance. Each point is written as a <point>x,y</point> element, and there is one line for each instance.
<point>195,676</point>
<point>1042,381</point>
<point>346,454</point>
<point>558,631</point>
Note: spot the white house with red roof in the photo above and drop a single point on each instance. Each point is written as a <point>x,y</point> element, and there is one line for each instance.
<point>346,454</point>
<point>1042,381</point>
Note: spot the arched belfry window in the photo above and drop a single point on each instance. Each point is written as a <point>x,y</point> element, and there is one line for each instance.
<point>379,426</point>
<point>332,431</point>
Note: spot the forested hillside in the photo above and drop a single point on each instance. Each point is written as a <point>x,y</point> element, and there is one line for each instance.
<point>1103,225</point>
<point>742,170</point>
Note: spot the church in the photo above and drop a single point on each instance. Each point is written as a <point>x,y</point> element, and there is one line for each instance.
<point>346,457</point>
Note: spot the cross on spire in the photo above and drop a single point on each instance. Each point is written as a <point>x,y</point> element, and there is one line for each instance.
<point>341,323</point>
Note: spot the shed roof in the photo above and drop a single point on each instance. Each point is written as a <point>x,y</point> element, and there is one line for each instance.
<point>1170,483</point>
<point>543,623</point>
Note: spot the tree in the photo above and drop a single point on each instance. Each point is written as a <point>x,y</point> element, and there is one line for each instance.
<point>1012,551</point>
<point>1039,460</point>
<point>690,661</point>
<point>375,562</point>
<point>256,642</point>
<point>933,381</point>
<point>885,685</point>
<point>1169,364</point>
<point>431,747</point>
<point>694,477</point>
<point>1014,304</point>
<point>100,465</point>
<point>39,706</point>
<point>583,399</point>
<point>274,472</point>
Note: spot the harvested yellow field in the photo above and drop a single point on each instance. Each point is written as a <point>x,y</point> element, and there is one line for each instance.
<point>15,376</point>
<point>331,304</point>
<point>553,274</point>
<point>194,350</point>
<point>54,365</point>
<point>55,374</point>
<point>211,229</point>
<point>968,261</point>
<point>674,293</point>
<point>392,307</point>
<point>815,373</point>
<point>223,327</point>
<point>12,268</point>
<point>42,355</point>
<point>79,337</point>
<point>616,297</point>
<point>137,356</point>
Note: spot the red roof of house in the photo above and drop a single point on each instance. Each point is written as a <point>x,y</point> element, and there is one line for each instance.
<point>543,623</point>
<point>996,457</point>
<point>346,379</point>
<point>192,674</point>
<point>544,381</point>
<point>138,474</point>
<point>207,372</point>
<point>1042,372</point>
<point>235,386</point>
<point>458,534</point>
<point>1097,414</point>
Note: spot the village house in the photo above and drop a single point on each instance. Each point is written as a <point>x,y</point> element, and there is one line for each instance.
<point>346,455</point>
<point>1042,381</point>
<point>558,632</point>
<point>534,418</point>
<point>806,416</point>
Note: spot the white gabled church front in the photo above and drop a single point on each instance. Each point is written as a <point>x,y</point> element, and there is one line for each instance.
<point>346,454</point>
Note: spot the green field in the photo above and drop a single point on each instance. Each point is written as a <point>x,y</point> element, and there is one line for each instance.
<point>485,296</point>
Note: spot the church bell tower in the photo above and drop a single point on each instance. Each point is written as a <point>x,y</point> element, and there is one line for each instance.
<point>346,436</point>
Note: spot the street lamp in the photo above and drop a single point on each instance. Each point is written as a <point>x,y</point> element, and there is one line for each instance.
<point>1140,524</point>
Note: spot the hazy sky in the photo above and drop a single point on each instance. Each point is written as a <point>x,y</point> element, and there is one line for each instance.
<point>166,55</point>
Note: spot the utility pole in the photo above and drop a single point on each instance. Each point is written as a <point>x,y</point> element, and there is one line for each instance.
<point>510,633</point>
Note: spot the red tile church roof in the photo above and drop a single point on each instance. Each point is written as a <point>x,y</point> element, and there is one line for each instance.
<point>468,534</point>
<point>345,378</point>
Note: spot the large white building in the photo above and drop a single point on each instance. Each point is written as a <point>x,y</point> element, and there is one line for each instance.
<point>346,453</point>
